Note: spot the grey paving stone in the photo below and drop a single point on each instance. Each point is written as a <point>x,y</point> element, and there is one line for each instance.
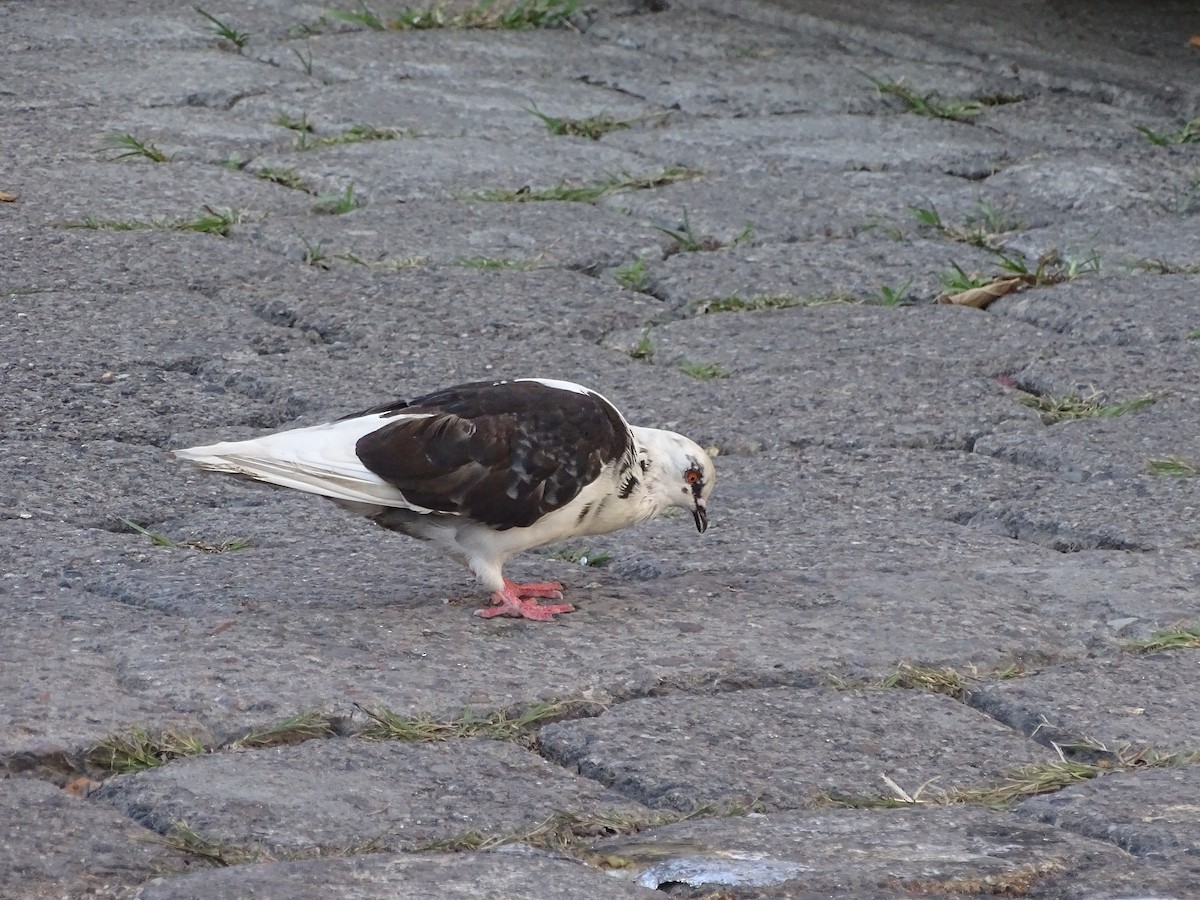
<point>883,497</point>
<point>922,851</point>
<point>1069,183</point>
<point>920,393</point>
<point>204,76</point>
<point>1054,121</point>
<point>380,876</point>
<point>1169,878</point>
<point>174,25</point>
<point>795,144</point>
<point>341,793</point>
<point>1106,61</point>
<point>419,95</point>
<point>86,261</point>
<point>1147,513</point>
<point>122,633</point>
<point>217,137</point>
<point>56,844</point>
<point>780,209</point>
<point>1106,450</point>
<point>141,192</point>
<point>1111,311</point>
<point>425,233</point>
<point>1143,701</point>
<point>452,168</point>
<point>1150,813</point>
<point>785,746</point>
<point>1107,588</point>
<point>1145,242</point>
<point>865,268</point>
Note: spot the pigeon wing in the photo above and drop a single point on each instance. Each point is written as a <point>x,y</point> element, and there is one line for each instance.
<point>504,454</point>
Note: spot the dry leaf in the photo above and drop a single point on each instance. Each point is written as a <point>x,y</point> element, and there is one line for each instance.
<point>81,787</point>
<point>1194,41</point>
<point>6,197</point>
<point>981,297</point>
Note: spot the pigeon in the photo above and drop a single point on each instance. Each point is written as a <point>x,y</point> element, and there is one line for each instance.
<point>484,471</point>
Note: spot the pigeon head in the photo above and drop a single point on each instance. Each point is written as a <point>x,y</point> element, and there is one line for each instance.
<point>678,472</point>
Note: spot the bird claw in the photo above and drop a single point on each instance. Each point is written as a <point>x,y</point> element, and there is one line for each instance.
<point>549,589</point>
<point>520,601</point>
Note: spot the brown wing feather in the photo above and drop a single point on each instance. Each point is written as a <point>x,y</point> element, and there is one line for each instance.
<point>505,454</point>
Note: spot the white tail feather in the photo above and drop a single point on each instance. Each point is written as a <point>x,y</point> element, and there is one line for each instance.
<point>319,459</point>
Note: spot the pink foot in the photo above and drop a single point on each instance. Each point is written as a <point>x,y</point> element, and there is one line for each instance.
<point>551,589</point>
<point>520,601</point>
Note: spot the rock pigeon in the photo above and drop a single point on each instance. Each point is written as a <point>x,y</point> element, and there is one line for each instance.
<point>484,471</point>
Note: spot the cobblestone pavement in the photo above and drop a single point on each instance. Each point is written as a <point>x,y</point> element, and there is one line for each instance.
<point>936,642</point>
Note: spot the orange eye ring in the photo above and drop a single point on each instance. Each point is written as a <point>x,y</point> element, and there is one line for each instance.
<point>691,476</point>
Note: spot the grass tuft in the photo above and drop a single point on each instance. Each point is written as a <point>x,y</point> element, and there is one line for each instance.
<point>946,681</point>
<point>644,348</point>
<point>498,262</point>
<point>1175,465</point>
<point>594,127</point>
<point>486,14</point>
<point>1077,406</point>
<point>980,229</point>
<point>287,177</point>
<point>893,296</point>
<point>501,725</point>
<point>979,291</point>
<point>297,729</point>
<point>633,276</point>
<point>831,298</point>
<point>337,204</point>
<point>1018,783</point>
<point>1016,881</point>
<point>161,540</point>
<point>182,838</point>
<point>703,371</point>
<point>361,15</point>
<point>1049,777</point>
<point>570,832</point>
<point>1159,266</point>
<point>140,749</point>
<point>211,221</point>
<point>356,134</point>
<point>238,39</point>
<point>299,124</point>
<point>687,241</point>
<point>586,192</point>
<point>124,145</point>
<point>1187,133</point>
<point>734,303</point>
<point>1177,637</point>
<point>305,59</point>
<point>930,103</point>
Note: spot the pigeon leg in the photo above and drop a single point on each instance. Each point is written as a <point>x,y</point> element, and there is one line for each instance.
<point>520,602</point>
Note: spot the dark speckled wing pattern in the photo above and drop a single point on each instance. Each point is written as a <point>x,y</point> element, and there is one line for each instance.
<point>503,453</point>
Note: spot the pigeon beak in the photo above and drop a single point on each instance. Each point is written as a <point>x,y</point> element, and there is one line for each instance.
<point>701,514</point>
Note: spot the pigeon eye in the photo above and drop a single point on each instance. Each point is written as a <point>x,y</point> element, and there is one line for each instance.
<point>691,476</point>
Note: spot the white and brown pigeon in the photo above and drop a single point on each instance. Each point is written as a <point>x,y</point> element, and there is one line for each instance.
<point>484,471</point>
